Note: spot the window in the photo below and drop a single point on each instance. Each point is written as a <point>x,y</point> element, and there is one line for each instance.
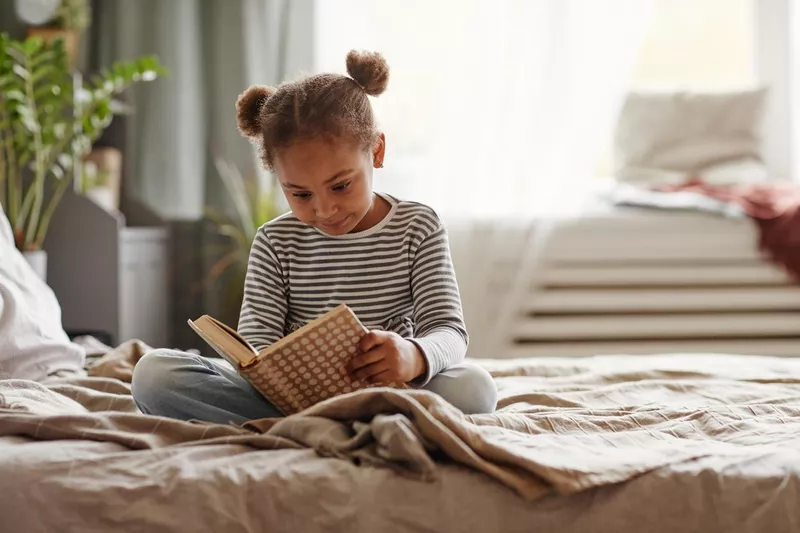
<point>694,44</point>
<point>708,43</point>
<point>507,106</point>
<point>413,38</point>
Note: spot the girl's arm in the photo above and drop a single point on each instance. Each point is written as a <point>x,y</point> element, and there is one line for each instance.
<point>440,333</point>
<point>264,307</point>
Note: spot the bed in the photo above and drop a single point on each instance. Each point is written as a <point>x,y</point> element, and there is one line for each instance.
<point>608,443</point>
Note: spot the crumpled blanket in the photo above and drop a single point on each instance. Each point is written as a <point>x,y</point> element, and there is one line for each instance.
<point>560,428</point>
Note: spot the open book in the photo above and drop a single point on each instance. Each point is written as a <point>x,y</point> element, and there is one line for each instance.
<point>301,369</point>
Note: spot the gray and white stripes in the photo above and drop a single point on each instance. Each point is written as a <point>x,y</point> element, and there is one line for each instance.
<point>396,276</point>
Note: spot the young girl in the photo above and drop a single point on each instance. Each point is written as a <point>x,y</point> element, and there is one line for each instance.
<point>386,258</point>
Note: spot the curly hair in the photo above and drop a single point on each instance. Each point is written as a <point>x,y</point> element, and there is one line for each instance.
<point>320,106</point>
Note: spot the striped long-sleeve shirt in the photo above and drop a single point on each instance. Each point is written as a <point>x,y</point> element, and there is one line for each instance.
<point>396,276</point>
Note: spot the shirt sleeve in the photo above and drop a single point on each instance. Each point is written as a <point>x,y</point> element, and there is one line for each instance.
<point>440,332</point>
<point>262,318</point>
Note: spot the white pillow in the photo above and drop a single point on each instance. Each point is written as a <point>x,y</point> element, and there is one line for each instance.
<point>668,136</point>
<point>33,344</point>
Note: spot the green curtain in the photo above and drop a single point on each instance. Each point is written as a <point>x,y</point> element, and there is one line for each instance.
<point>213,49</point>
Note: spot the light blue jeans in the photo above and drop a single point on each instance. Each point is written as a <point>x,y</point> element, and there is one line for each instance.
<point>187,386</point>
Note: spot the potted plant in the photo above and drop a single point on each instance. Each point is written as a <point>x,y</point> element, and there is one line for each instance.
<point>95,184</point>
<point>58,19</point>
<point>48,121</point>
<point>254,203</point>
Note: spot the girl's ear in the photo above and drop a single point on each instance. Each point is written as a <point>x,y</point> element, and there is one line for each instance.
<point>379,151</point>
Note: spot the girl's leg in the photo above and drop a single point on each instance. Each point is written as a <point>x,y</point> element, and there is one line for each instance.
<point>188,386</point>
<point>468,387</point>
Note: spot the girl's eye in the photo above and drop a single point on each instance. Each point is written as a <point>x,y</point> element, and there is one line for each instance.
<point>341,186</point>
<point>302,195</point>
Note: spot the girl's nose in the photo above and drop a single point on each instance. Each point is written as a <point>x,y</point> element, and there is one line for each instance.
<point>325,209</point>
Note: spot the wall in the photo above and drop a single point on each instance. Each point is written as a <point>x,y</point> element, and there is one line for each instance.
<point>774,55</point>
<point>8,20</point>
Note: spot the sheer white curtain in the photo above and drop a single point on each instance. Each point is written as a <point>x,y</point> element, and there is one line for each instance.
<point>494,106</point>
<point>496,109</point>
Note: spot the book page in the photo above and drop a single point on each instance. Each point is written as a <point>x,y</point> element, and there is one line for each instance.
<point>230,345</point>
<point>233,333</point>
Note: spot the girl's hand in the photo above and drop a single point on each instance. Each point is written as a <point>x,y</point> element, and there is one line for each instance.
<point>385,357</point>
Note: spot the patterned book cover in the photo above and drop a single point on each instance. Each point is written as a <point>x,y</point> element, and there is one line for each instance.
<point>308,366</point>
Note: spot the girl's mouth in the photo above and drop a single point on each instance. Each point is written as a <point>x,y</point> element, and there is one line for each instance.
<point>339,224</point>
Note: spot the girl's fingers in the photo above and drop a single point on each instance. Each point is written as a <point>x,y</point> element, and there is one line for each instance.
<point>372,339</point>
<point>364,359</point>
<point>365,373</point>
<point>382,377</point>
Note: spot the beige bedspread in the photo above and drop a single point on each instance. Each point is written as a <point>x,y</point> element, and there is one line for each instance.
<point>75,454</point>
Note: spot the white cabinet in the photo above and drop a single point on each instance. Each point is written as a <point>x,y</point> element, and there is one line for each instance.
<point>143,285</point>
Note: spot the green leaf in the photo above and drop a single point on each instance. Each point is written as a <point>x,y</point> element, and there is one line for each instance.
<point>28,118</point>
<point>119,107</point>
<point>150,63</point>
<point>65,160</point>
<point>23,157</point>
<point>32,45</point>
<point>46,91</point>
<point>100,122</point>
<point>102,107</point>
<point>57,171</point>
<point>42,72</point>
<point>59,130</point>
<point>128,71</point>
<point>21,136</point>
<point>16,95</point>
<point>59,45</point>
<point>31,125</point>
<point>17,54</point>
<point>20,71</point>
<point>81,145</point>
<point>44,57</point>
<point>83,96</point>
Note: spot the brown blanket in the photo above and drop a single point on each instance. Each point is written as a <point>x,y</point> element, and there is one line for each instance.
<point>554,433</point>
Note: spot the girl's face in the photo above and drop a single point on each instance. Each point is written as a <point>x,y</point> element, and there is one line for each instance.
<point>328,184</point>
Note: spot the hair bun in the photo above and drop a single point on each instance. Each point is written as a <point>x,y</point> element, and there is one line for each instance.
<point>249,106</point>
<point>369,70</point>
